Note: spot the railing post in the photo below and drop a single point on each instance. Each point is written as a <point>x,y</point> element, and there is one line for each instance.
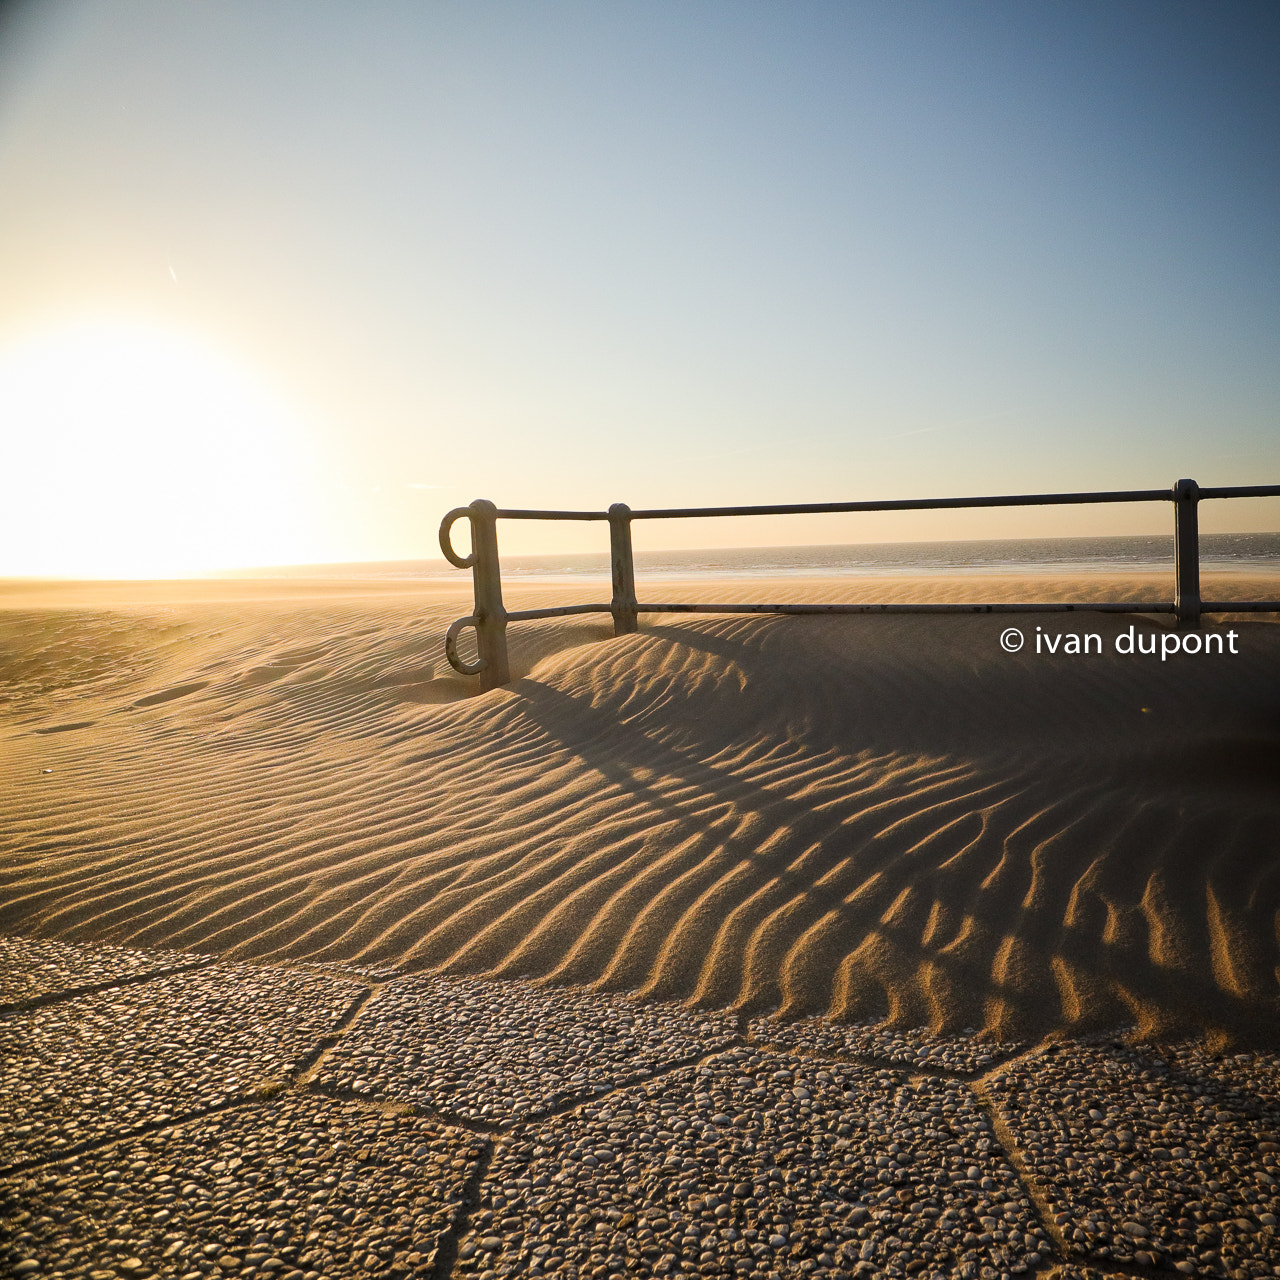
<point>1186,553</point>
<point>490,615</point>
<point>623,606</point>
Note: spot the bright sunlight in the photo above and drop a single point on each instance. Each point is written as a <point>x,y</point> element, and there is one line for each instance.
<point>136,452</point>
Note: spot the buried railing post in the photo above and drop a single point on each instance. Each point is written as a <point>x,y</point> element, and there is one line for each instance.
<point>1186,553</point>
<point>623,606</point>
<point>490,615</point>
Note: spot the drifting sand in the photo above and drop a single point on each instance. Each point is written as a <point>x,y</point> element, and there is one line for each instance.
<point>858,817</point>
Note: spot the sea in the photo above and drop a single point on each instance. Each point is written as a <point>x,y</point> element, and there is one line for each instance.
<point>1256,553</point>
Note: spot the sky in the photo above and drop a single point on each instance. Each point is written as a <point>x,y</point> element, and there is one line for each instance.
<point>284,282</point>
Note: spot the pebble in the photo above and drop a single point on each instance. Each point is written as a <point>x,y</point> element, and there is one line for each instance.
<point>104,1064</point>
<point>756,1162</point>
<point>306,1186</point>
<point>1070,1272</point>
<point>1146,1161</point>
<point>917,1047</point>
<point>1246,1083</point>
<point>35,967</point>
<point>500,1051</point>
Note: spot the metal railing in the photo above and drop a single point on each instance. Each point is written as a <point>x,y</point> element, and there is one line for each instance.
<point>490,617</point>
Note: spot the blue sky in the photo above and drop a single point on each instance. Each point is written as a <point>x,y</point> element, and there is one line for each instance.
<point>568,254</point>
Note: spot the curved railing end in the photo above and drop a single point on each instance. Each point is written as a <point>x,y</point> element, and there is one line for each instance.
<point>446,544</point>
<point>451,647</point>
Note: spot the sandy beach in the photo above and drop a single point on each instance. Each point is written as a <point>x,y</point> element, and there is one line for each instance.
<point>859,818</point>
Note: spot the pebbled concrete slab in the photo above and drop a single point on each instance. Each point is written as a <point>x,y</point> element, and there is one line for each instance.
<point>498,1051</point>
<point>98,1066</point>
<point>31,968</point>
<point>300,1186</point>
<point>139,1140</point>
<point>1142,1162</point>
<point>756,1164</point>
<point>1247,1082</point>
<point>916,1047</point>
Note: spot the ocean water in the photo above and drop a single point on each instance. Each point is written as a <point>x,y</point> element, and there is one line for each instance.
<point>1219,553</point>
<point>1254,552</point>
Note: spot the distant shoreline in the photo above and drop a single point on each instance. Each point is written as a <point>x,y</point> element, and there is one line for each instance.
<point>1130,553</point>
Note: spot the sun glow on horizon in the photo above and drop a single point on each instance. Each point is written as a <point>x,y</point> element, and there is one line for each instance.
<point>134,451</point>
<point>282,294</point>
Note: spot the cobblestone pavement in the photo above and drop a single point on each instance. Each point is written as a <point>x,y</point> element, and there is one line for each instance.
<point>504,1051</point>
<point>170,1115</point>
<point>34,967</point>
<point>95,1066</point>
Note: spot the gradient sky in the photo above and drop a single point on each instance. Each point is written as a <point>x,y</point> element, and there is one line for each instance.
<point>285,281</point>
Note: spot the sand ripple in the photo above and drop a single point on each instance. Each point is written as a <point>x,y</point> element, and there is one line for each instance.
<point>855,817</point>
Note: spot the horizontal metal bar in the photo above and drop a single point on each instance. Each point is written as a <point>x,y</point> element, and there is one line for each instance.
<point>904,504</point>
<point>908,504</point>
<point>1241,606</point>
<point>524,615</point>
<point>1213,606</point>
<point>1054,607</point>
<point>1242,491</point>
<point>552,515</point>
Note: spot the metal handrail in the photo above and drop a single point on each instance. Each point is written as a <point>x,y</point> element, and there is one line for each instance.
<point>490,617</point>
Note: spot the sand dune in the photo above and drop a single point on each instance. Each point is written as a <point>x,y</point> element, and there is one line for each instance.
<point>859,817</point>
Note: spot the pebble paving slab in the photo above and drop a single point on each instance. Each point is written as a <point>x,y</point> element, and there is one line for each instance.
<point>97,1066</point>
<point>167,1127</point>
<point>495,1051</point>
<point>297,1186</point>
<point>917,1047</point>
<point>1144,1162</point>
<point>1248,1082</point>
<point>757,1164</point>
<point>34,967</point>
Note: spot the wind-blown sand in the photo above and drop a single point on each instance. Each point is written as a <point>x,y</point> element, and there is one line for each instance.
<point>858,817</point>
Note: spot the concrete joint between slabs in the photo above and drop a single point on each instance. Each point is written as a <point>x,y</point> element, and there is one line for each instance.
<point>447,1253</point>
<point>311,1061</point>
<point>1028,1180</point>
<point>262,1094</point>
<point>498,1128</point>
<point>94,988</point>
<point>94,1145</point>
<point>1003,1138</point>
<point>297,1080</point>
<point>912,1069</point>
<point>570,1105</point>
<point>394,1106</point>
<point>1106,1267</point>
